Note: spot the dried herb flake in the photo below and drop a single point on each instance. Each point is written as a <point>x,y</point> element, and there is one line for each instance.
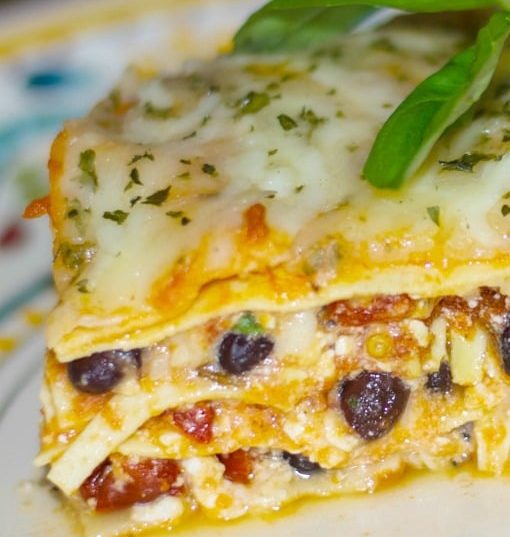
<point>467,162</point>
<point>158,197</point>
<point>253,102</point>
<point>147,155</point>
<point>117,216</point>
<point>434,214</point>
<point>209,169</point>
<point>286,122</point>
<point>87,165</point>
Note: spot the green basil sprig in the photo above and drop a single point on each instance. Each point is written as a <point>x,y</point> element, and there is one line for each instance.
<point>408,136</point>
<point>419,6</point>
<point>292,24</point>
<point>276,30</point>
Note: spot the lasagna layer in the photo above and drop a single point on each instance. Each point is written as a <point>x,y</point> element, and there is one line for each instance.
<point>347,396</point>
<point>236,185</point>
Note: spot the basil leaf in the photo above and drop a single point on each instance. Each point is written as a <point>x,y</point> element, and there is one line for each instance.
<point>408,136</point>
<point>293,24</point>
<point>270,29</point>
<point>247,325</point>
<point>419,6</point>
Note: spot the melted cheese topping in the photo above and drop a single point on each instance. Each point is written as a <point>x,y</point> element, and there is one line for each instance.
<point>236,184</point>
<point>185,199</point>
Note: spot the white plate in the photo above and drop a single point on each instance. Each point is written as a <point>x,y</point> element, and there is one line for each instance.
<point>430,507</point>
<point>458,506</point>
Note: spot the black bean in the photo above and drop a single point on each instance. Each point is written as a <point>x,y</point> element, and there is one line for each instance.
<point>505,348</point>
<point>372,402</point>
<point>238,353</point>
<point>302,464</point>
<point>102,371</point>
<point>440,381</point>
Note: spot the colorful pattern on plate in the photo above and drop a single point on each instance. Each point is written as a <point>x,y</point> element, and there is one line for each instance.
<point>40,87</point>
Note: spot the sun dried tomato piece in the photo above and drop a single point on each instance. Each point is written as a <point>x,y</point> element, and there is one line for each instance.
<point>196,422</point>
<point>491,306</point>
<point>456,311</point>
<point>255,224</point>
<point>238,466</point>
<point>379,309</point>
<point>126,482</point>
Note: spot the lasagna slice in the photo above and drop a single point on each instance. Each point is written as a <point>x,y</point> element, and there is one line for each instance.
<point>243,320</point>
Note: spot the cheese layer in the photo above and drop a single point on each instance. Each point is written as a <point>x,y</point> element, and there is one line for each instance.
<point>236,185</point>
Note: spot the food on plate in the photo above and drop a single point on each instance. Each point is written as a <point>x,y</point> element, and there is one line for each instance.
<point>244,319</point>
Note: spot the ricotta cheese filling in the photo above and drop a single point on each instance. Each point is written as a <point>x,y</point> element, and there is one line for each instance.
<point>253,410</point>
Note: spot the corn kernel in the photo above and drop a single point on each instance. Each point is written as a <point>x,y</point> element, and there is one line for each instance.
<point>379,345</point>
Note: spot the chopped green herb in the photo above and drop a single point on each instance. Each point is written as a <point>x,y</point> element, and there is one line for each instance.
<point>179,214</point>
<point>253,102</point>
<point>286,122</point>
<point>352,148</point>
<point>117,216</point>
<point>434,214</point>
<point>135,179</point>
<point>339,114</point>
<point>205,120</point>
<point>192,135</point>
<point>384,44</point>
<point>505,210</point>
<point>154,112</point>
<point>136,158</point>
<point>78,214</point>
<point>82,286</point>
<point>184,175</point>
<point>332,91</point>
<point>272,152</point>
<point>185,161</point>
<point>134,201</point>
<point>174,214</point>
<point>299,188</point>
<point>87,165</point>
<point>158,197</point>
<point>506,196</point>
<point>135,176</point>
<point>308,115</point>
<point>467,162</point>
<point>506,135</point>
<point>209,169</point>
<point>248,325</point>
<point>74,255</point>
